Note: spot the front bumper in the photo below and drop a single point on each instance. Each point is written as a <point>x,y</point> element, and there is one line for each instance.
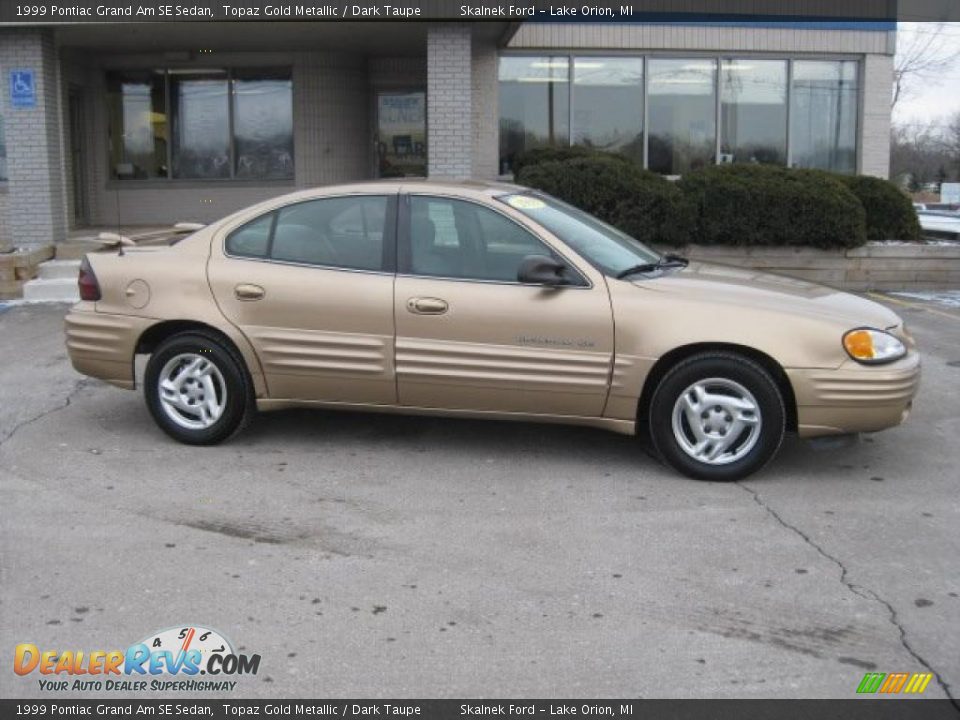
<point>102,345</point>
<point>854,398</point>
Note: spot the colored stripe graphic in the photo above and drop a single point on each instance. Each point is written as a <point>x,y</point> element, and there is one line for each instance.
<point>918,683</point>
<point>892,683</point>
<point>871,682</point>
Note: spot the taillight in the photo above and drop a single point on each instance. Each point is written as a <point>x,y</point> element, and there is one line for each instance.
<point>89,287</point>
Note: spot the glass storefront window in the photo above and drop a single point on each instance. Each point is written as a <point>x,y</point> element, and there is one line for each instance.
<point>682,115</point>
<point>201,124</point>
<point>138,124</point>
<point>765,104</point>
<point>402,134</point>
<point>193,135</point>
<point>263,125</point>
<point>608,104</point>
<point>753,111</point>
<point>823,116</point>
<point>534,105</point>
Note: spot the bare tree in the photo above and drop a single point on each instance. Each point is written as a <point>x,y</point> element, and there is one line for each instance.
<point>921,153</point>
<point>924,51</point>
<point>952,142</point>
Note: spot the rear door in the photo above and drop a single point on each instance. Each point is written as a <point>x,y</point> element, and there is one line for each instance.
<point>311,286</point>
<point>471,337</point>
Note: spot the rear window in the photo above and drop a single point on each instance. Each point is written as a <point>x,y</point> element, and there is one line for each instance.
<point>341,232</point>
<point>252,239</point>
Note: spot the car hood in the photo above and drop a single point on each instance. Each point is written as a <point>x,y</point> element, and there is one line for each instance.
<point>727,285</point>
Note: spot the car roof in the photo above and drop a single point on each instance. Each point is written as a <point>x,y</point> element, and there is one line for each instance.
<point>458,186</point>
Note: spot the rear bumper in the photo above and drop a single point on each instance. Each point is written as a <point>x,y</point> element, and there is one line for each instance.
<point>102,345</point>
<point>854,398</point>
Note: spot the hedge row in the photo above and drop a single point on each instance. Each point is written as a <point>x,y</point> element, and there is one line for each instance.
<point>768,205</point>
<point>540,155</point>
<point>643,204</point>
<point>724,205</point>
<point>890,213</point>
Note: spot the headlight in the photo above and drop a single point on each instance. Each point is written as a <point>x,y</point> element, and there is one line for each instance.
<point>873,347</point>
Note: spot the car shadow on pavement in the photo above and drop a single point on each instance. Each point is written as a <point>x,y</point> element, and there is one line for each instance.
<point>302,429</point>
<point>423,433</point>
<point>311,430</point>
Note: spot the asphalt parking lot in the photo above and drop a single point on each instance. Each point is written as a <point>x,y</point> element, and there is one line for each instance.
<point>383,556</point>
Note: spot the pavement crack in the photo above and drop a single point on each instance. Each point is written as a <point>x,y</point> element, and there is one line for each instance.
<point>858,590</point>
<point>77,387</point>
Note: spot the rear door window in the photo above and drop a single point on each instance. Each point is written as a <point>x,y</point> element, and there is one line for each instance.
<point>349,232</point>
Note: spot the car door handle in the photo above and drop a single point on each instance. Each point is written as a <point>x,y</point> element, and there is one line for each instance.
<point>248,292</point>
<point>427,306</point>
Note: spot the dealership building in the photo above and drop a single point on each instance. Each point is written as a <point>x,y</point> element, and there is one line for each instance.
<point>106,125</point>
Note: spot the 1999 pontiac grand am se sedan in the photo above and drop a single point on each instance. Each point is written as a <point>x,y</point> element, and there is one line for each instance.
<point>484,300</point>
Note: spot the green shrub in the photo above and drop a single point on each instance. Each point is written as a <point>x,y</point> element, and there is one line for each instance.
<point>656,214</point>
<point>560,154</point>
<point>769,205</point>
<point>643,204</point>
<point>890,213</point>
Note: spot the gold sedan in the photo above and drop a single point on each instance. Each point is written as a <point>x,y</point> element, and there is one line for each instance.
<point>484,300</point>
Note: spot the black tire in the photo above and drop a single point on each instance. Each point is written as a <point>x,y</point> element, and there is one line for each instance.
<point>732,368</point>
<point>237,407</point>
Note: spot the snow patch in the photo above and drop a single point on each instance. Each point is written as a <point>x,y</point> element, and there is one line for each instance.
<point>922,243</point>
<point>948,298</point>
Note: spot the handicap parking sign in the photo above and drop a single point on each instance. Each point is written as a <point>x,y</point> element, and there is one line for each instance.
<point>23,89</point>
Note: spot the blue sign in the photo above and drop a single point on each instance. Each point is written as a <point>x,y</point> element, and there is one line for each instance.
<point>23,89</point>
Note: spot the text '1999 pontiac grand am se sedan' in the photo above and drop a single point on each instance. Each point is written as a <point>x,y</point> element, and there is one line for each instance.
<point>484,300</point>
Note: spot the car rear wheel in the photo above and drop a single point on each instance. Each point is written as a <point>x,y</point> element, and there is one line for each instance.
<point>717,416</point>
<point>197,390</point>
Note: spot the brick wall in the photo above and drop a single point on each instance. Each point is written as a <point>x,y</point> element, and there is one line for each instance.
<point>36,189</point>
<point>6,241</point>
<point>449,101</point>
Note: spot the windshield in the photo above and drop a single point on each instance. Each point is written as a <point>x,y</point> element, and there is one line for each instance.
<point>606,248</point>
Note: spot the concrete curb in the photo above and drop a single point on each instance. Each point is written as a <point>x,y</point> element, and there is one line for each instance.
<point>875,266</point>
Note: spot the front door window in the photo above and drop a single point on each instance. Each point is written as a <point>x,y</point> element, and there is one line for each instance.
<point>459,239</point>
<point>402,134</point>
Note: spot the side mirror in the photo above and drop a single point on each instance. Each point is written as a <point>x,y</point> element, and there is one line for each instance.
<point>541,270</point>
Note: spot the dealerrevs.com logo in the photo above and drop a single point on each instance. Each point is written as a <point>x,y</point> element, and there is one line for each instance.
<point>168,660</point>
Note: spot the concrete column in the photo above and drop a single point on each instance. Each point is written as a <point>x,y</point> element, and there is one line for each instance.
<point>36,198</point>
<point>486,114</point>
<point>874,144</point>
<point>450,140</point>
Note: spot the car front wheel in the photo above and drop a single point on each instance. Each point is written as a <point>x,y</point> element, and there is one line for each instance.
<point>196,389</point>
<point>717,416</point>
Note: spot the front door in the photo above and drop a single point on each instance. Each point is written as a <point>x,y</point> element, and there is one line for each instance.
<point>471,337</point>
<point>401,134</point>
<point>77,161</point>
<point>311,286</point>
